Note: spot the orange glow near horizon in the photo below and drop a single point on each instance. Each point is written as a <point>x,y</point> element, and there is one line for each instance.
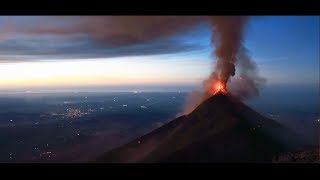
<point>92,72</point>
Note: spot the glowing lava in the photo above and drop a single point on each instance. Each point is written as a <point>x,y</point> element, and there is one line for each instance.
<point>218,86</point>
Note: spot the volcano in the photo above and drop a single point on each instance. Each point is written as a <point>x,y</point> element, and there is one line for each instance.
<point>221,129</point>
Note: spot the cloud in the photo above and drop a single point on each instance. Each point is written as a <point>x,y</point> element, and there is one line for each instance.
<point>29,38</point>
<point>30,50</point>
<point>119,30</point>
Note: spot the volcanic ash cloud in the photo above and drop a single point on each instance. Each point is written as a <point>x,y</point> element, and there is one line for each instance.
<point>230,54</point>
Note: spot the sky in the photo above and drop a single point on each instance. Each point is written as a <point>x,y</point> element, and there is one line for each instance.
<point>61,52</point>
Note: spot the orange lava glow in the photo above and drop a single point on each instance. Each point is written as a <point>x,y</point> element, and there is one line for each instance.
<point>219,86</point>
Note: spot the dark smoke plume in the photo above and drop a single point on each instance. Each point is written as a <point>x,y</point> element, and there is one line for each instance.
<point>227,37</point>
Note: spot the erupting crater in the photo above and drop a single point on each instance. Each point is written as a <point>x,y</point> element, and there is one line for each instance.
<point>217,87</point>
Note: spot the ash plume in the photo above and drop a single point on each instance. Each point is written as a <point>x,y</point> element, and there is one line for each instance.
<point>227,37</point>
<point>248,82</point>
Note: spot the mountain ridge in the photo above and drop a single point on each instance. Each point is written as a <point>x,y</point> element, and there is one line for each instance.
<point>221,129</point>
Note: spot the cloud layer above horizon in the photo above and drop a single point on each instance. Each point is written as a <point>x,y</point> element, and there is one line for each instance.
<point>29,38</point>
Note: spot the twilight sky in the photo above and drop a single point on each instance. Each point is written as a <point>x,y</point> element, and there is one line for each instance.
<point>38,51</point>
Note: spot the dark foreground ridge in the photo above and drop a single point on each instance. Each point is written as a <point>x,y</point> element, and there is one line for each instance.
<point>221,129</point>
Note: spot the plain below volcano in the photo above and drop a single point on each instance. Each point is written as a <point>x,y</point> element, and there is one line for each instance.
<point>221,129</point>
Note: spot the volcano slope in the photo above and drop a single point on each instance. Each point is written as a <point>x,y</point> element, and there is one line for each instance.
<point>221,129</point>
